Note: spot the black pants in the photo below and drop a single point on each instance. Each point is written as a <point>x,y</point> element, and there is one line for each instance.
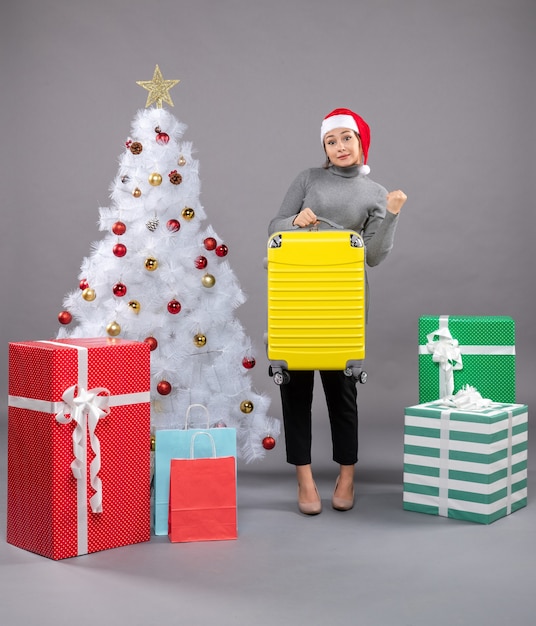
<point>341,399</point>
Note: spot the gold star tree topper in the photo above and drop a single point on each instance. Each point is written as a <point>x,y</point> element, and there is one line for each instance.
<point>158,89</point>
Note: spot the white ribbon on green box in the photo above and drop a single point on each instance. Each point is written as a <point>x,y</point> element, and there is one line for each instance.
<point>444,464</point>
<point>447,351</point>
<point>467,399</point>
<point>85,407</point>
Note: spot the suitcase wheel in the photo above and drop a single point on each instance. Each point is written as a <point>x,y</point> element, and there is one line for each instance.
<point>280,376</point>
<point>360,375</point>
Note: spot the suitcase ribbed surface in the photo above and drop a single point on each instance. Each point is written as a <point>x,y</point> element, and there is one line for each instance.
<point>316,300</point>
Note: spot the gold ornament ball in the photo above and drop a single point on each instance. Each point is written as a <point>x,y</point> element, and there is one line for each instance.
<point>113,329</point>
<point>89,294</point>
<point>200,340</point>
<point>151,264</point>
<point>246,406</point>
<point>155,179</point>
<point>181,161</point>
<point>137,192</point>
<point>135,306</point>
<point>188,213</point>
<point>208,280</point>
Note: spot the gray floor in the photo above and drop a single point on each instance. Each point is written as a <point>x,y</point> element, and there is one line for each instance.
<point>376,565</point>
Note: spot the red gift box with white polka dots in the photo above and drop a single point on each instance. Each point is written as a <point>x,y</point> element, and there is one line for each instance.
<point>78,445</point>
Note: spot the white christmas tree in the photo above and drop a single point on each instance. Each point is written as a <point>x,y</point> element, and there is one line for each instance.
<point>159,276</point>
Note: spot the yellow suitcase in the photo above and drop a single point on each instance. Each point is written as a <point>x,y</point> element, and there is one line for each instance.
<point>316,302</point>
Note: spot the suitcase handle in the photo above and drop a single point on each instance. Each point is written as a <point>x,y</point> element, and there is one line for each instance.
<point>328,222</point>
<point>356,241</point>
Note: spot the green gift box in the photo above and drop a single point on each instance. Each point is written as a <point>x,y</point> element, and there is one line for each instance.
<point>455,351</point>
<point>465,464</point>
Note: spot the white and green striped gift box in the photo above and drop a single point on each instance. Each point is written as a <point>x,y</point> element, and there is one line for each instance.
<point>468,465</point>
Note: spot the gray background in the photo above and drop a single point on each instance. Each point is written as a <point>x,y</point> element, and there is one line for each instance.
<point>448,89</point>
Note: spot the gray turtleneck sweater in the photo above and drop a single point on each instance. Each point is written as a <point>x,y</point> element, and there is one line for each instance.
<point>346,197</point>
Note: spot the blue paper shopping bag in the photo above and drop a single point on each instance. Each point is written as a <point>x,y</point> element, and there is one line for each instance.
<point>175,444</point>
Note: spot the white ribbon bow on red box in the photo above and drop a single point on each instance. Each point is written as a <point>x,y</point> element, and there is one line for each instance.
<point>86,408</point>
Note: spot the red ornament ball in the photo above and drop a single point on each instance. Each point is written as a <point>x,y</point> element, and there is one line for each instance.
<point>64,317</point>
<point>163,388</point>
<point>119,249</point>
<point>119,290</point>
<point>83,284</point>
<point>173,225</point>
<point>268,443</point>
<point>222,250</point>
<point>119,228</point>
<point>210,243</point>
<point>162,138</point>
<point>153,343</point>
<point>174,307</point>
<point>248,362</point>
<point>201,262</point>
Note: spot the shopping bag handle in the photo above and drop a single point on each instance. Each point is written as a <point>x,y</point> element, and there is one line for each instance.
<point>188,414</point>
<point>192,443</point>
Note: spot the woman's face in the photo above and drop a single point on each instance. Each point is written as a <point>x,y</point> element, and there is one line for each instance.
<point>343,147</point>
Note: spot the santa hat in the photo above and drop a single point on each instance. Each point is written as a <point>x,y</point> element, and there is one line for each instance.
<point>344,118</point>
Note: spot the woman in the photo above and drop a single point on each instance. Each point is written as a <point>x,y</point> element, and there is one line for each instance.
<point>341,192</point>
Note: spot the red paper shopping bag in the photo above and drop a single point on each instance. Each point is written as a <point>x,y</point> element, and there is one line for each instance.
<point>202,497</point>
